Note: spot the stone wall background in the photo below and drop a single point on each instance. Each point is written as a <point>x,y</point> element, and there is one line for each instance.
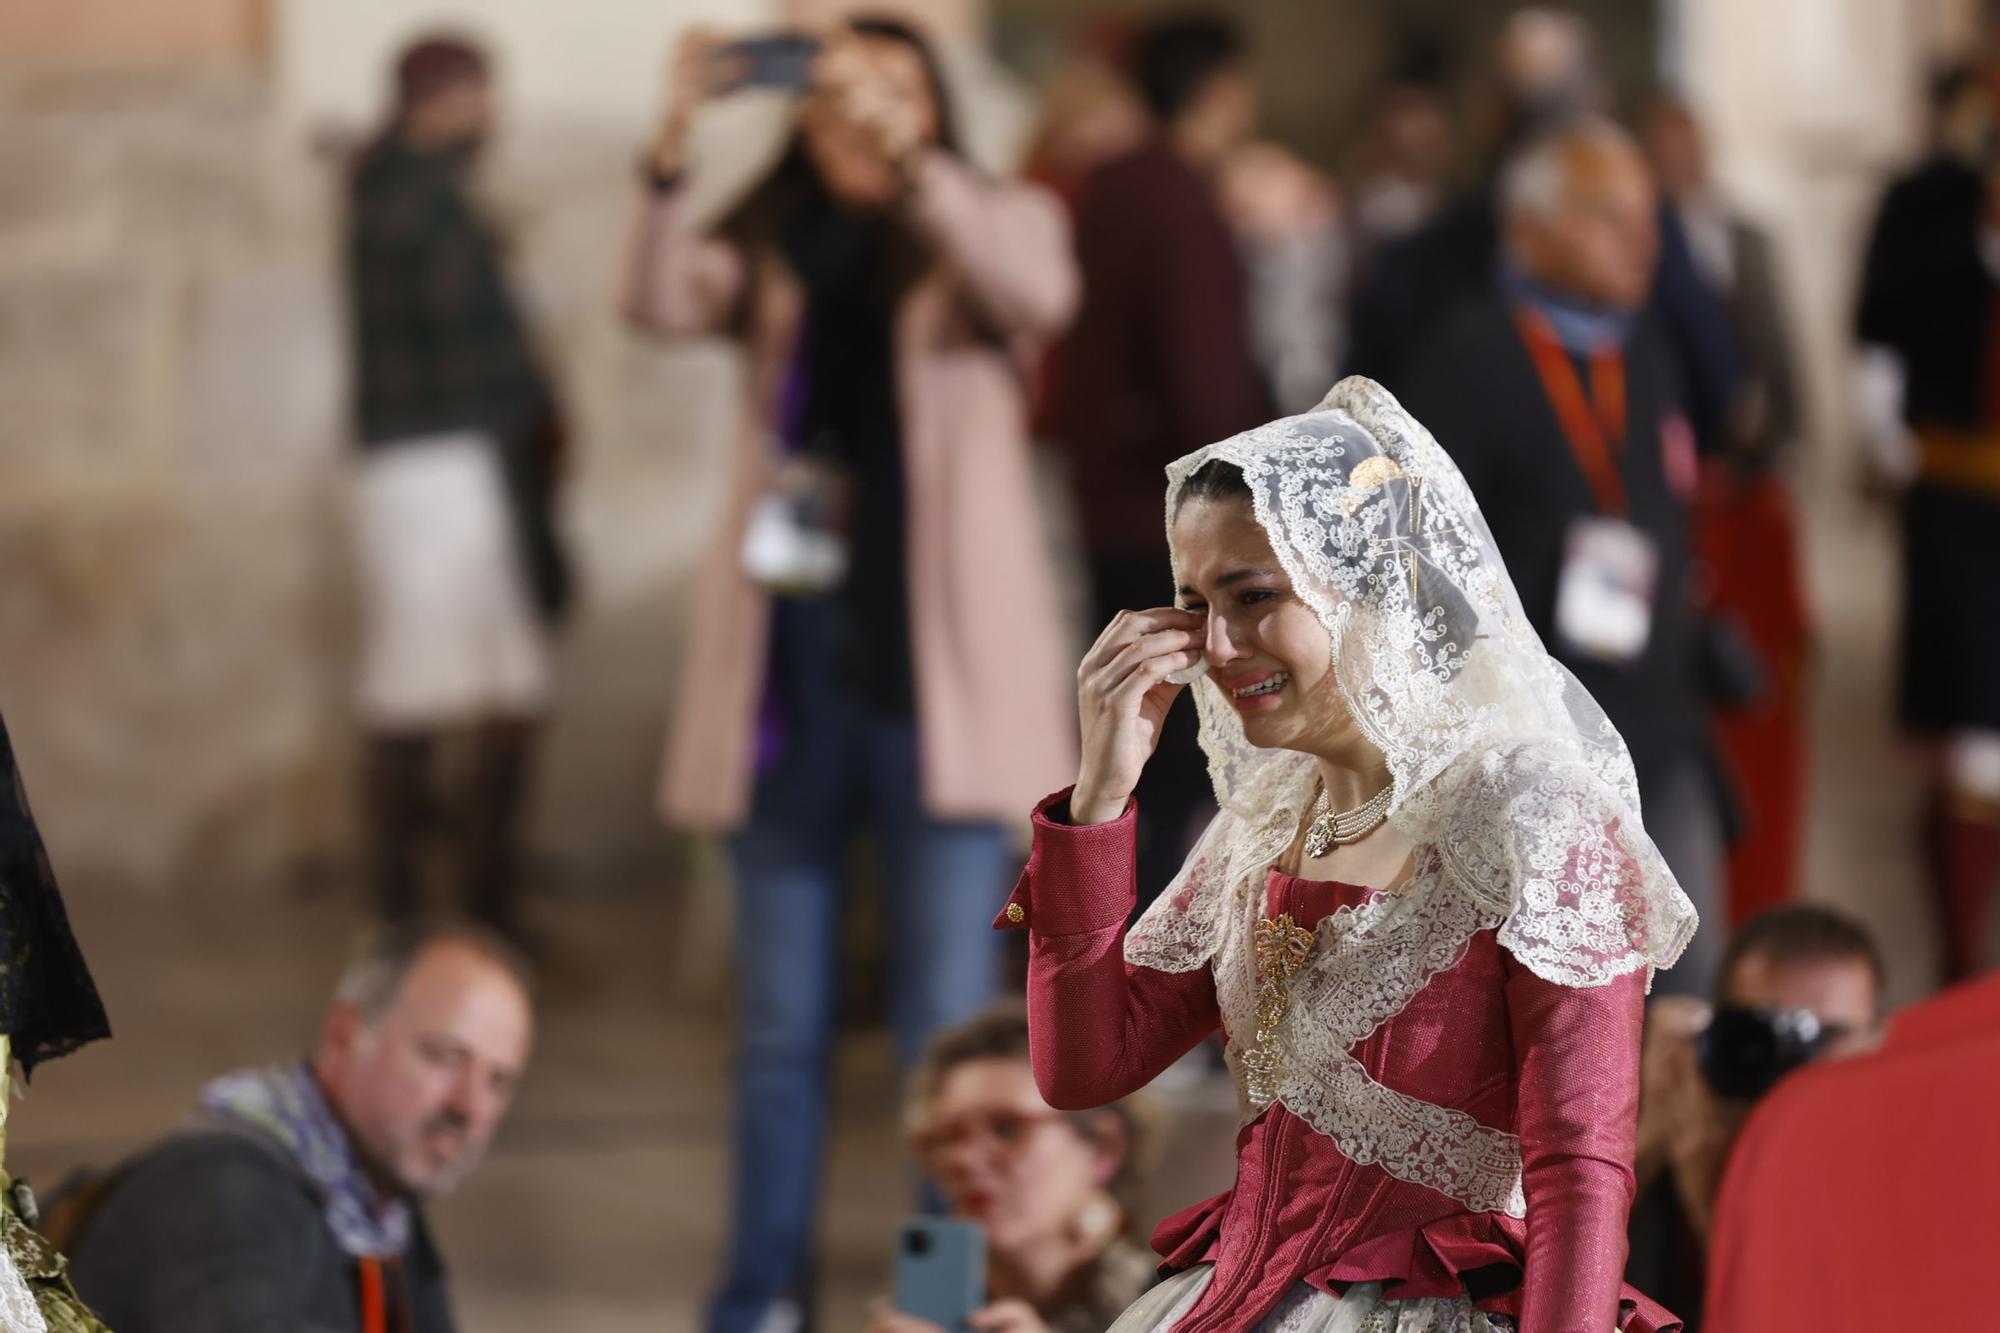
<point>175,617</point>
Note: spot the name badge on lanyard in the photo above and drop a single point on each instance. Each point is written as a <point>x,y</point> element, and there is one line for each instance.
<point>1610,570</point>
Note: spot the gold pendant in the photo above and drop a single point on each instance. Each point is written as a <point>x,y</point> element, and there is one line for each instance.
<point>1282,947</point>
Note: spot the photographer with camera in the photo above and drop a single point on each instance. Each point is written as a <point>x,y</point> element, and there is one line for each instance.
<point>876,636</point>
<point>1799,983</point>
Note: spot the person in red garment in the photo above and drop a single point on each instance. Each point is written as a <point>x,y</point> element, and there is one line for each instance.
<point>1425,918</point>
<point>1812,1236</point>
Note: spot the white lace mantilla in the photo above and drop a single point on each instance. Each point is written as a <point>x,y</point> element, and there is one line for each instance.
<point>19,1313</point>
<point>1510,781</point>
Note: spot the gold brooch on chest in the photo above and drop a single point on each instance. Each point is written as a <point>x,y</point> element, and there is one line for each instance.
<point>1282,947</point>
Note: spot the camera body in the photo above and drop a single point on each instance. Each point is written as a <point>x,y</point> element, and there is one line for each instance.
<point>1743,1052</point>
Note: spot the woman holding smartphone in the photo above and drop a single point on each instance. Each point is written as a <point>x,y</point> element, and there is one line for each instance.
<point>1425,918</point>
<point>876,637</point>
<point>1046,1189</point>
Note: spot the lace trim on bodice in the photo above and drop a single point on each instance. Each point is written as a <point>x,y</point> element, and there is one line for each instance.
<point>1365,964</point>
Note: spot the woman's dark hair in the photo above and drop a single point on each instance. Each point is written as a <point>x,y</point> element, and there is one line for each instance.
<point>432,64</point>
<point>794,182</point>
<point>1217,479</point>
<point>1000,1032</point>
<point>1173,60</point>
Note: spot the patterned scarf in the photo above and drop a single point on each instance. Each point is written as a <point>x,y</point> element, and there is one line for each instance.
<point>1582,327</point>
<point>284,1103</point>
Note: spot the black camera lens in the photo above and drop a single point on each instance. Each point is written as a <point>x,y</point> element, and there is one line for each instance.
<point>916,1242</point>
<point>1744,1052</point>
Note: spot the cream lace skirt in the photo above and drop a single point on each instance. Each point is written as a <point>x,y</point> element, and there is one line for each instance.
<point>1307,1309</point>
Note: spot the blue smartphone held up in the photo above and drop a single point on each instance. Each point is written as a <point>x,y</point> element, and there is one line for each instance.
<point>781,60</point>
<point>941,1271</point>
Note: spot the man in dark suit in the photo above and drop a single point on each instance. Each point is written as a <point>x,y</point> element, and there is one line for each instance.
<point>1159,361</point>
<point>1556,392</point>
<point>1545,68</point>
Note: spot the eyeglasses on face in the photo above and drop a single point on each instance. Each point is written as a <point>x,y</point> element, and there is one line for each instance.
<point>1008,1131</point>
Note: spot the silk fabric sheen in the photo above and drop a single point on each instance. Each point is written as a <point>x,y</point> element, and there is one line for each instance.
<point>1556,1065</point>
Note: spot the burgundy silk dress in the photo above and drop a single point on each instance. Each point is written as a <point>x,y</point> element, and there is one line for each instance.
<point>1554,1066</point>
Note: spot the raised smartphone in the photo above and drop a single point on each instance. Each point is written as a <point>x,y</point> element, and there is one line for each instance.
<point>780,60</point>
<point>941,1271</point>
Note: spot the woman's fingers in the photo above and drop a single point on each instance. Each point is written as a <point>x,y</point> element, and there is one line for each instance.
<point>1180,644</point>
<point>1129,627</point>
<point>884,1319</point>
<point>1011,1316</point>
<point>1150,675</point>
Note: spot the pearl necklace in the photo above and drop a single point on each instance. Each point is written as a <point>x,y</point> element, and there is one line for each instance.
<point>1332,828</point>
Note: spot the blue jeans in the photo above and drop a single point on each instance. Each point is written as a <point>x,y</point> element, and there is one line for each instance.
<point>841,765</point>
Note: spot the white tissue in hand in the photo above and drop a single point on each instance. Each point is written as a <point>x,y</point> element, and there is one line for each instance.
<point>1189,675</point>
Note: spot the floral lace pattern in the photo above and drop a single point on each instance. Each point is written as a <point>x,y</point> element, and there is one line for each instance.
<point>1513,785</point>
<point>1365,965</point>
<point>19,1311</point>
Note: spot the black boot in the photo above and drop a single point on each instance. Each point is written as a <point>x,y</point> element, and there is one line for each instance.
<point>396,794</point>
<point>491,831</point>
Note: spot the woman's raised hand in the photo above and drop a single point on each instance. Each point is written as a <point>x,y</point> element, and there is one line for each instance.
<point>1122,698</point>
<point>690,81</point>
<point>1010,1316</point>
<point>883,1318</point>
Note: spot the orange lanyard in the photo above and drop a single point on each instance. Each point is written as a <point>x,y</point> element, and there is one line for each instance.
<point>384,1300</point>
<point>1593,423</point>
<point>374,1301</point>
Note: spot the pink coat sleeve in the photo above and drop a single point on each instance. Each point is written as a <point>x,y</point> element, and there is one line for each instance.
<point>1009,242</point>
<point>1099,1027</point>
<point>1577,1114</point>
<point>676,280</point>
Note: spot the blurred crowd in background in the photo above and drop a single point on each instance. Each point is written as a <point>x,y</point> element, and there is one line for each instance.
<point>875,680</point>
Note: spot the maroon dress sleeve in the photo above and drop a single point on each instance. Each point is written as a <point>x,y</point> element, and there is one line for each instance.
<point>1099,1027</point>
<point>1577,1114</point>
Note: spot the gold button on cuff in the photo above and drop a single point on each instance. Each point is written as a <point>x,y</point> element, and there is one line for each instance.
<point>1016,913</point>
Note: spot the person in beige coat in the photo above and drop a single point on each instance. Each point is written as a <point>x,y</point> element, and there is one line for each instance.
<point>876,636</point>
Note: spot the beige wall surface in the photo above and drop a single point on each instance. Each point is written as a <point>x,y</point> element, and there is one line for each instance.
<point>131,33</point>
<point>580,59</point>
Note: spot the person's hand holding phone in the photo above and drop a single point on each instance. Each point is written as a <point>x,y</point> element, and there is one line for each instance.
<point>691,80</point>
<point>1011,1316</point>
<point>1123,695</point>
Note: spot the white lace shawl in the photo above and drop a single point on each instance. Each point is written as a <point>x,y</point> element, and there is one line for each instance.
<point>1513,785</point>
<point>19,1311</point>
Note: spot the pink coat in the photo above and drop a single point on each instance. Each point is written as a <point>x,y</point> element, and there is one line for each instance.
<point>994,675</point>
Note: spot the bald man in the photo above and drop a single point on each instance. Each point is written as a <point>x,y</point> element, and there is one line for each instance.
<point>292,1199</point>
<point>1557,394</point>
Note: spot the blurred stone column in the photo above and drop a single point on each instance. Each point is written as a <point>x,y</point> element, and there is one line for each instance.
<point>1810,106</point>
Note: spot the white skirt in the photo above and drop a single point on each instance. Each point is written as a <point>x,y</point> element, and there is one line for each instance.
<point>1307,1309</point>
<point>449,631</point>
